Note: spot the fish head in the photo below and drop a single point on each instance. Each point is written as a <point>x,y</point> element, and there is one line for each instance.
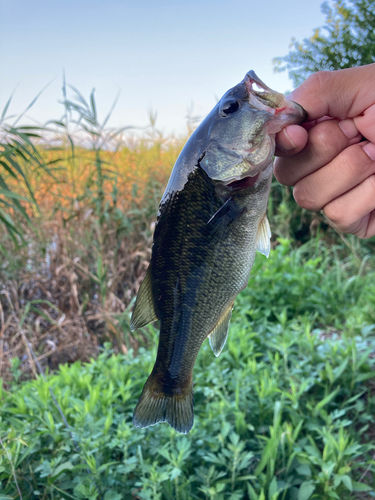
<point>237,139</point>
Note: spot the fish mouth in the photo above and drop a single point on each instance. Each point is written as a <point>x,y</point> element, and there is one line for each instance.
<point>245,183</point>
<point>265,98</point>
<point>283,111</point>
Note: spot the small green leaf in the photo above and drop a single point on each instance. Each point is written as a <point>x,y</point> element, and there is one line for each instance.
<point>347,481</point>
<point>304,470</point>
<point>175,473</point>
<point>220,487</point>
<point>364,376</point>
<point>272,490</point>
<point>306,490</point>
<point>361,486</point>
<point>326,400</point>
<point>112,495</point>
<point>62,467</point>
<point>251,492</point>
<point>338,371</point>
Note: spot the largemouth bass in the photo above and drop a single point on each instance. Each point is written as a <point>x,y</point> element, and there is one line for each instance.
<point>211,220</point>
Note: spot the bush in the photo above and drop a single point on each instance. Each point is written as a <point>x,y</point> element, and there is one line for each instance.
<point>285,413</point>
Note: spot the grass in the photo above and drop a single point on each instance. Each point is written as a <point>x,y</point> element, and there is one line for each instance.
<point>286,412</point>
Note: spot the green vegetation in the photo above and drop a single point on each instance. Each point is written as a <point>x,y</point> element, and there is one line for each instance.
<point>286,412</point>
<point>347,39</point>
<point>15,146</point>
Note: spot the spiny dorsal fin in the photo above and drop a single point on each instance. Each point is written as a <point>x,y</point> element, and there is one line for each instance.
<point>263,241</point>
<point>144,312</point>
<point>219,334</point>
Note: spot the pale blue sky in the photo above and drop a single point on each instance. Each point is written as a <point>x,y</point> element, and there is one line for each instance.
<point>161,54</point>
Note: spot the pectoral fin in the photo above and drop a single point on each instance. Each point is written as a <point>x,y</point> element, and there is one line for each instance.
<point>226,214</point>
<point>263,241</point>
<point>219,334</point>
<point>144,312</point>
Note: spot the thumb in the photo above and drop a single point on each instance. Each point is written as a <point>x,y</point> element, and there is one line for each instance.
<point>290,140</point>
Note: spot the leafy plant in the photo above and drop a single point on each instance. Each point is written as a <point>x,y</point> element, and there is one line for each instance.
<point>285,413</point>
<point>17,151</point>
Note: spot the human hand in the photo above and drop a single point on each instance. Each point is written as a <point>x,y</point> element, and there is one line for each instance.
<point>327,161</point>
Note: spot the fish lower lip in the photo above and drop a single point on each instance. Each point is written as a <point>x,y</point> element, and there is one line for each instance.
<point>245,183</point>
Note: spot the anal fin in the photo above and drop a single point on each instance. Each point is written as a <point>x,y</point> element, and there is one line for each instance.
<point>219,334</point>
<point>144,312</point>
<point>263,241</point>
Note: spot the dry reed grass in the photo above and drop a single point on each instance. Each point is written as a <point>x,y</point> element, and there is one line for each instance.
<point>70,288</point>
<point>80,201</point>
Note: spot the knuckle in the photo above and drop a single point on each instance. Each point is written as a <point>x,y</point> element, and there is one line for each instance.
<point>335,214</point>
<point>343,217</point>
<point>282,173</point>
<point>318,81</point>
<point>371,181</point>
<point>359,228</point>
<point>351,154</point>
<point>304,196</point>
<point>362,236</point>
<point>324,136</point>
<point>328,139</point>
<point>355,160</point>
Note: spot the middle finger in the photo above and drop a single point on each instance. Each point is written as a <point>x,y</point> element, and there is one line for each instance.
<point>326,140</point>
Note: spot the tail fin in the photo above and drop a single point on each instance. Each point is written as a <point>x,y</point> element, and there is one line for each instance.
<point>156,406</point>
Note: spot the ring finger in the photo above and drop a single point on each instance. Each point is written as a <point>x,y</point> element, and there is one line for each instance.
<point>360,219</point>
<point>351,167</point>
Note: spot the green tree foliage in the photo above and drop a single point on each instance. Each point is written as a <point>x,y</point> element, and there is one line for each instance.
<point>347,39</point>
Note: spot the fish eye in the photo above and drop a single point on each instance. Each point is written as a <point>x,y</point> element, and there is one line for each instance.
<point>229,107</point>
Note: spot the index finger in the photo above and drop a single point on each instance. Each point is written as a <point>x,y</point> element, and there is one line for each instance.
<point>340,94</point>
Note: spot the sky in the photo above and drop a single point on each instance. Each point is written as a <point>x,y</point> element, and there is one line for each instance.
<point>163,55</point>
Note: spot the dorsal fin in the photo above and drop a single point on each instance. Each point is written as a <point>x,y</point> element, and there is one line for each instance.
<point>144,312</point>
<point>219,334</point>
<point>263,241</point>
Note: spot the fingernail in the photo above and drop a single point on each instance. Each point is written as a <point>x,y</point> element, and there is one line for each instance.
<point>288,146</point>
<point>369,149</point>
<point>349,129</point>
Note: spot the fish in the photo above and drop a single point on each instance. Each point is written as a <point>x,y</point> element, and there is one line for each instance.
<point>211,220</point>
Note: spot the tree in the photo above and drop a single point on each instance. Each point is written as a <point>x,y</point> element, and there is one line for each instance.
<point>347,39</point>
